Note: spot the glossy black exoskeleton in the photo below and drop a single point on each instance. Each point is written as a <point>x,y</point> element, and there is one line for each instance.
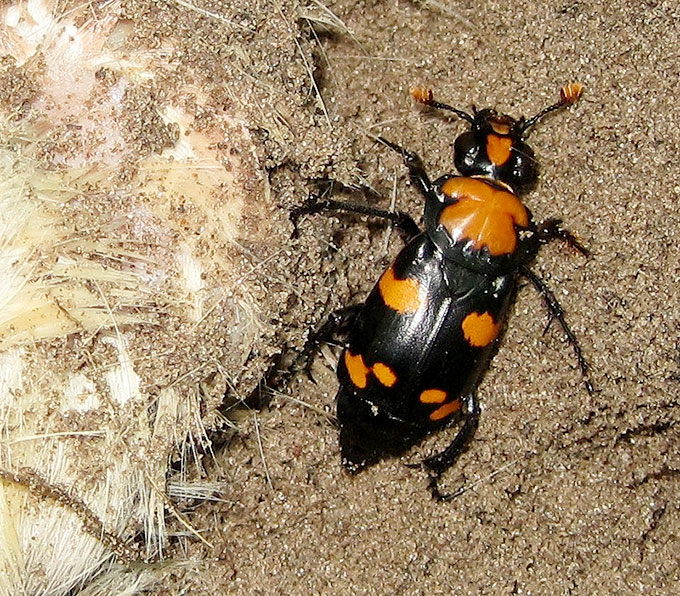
<point>416,349</point>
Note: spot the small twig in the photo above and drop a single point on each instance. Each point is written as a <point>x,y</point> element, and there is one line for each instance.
<point>259,446</point>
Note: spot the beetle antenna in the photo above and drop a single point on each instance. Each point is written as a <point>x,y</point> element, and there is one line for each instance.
<point>569,95</point>
<point>424,95</point>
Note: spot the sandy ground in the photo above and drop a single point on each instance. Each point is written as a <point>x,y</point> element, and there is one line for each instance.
<point>566,493</point>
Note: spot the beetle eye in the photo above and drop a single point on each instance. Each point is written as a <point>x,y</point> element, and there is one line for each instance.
<point>466,153</point>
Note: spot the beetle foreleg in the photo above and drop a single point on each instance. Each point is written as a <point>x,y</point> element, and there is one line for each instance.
<point>415,167</point>
<point>551,229</point>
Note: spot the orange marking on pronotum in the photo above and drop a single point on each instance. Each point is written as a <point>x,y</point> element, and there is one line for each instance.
<point>480,329</point>
<point>498,149</point>
<point>484,214</point>
<point>446,410</point>
<point>357,369</point>
<point>401,295</point>
<point>384,374</point>
<point>433,396</point>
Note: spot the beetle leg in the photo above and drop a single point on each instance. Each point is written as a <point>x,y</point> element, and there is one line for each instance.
<point>415,167</point>
<point>338,323</point>
<point>556,312</point>
<point>439,463</point>
<point>551,229</point>
<point>399,219</point>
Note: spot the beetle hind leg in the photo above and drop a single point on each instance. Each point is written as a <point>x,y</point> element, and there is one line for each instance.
<point>437,464</point>
<point>338,323</point>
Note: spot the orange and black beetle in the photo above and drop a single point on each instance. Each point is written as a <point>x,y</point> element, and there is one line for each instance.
<point>417,347</point>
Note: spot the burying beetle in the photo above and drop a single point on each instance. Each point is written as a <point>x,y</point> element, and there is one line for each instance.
<point>417,346</point>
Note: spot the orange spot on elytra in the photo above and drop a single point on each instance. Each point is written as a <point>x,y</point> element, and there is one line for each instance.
<point>484,214</point>
<point>498,149</point>
<point>401,295</point>
<point>433,396</point>
<point>357,369</point>
<point>480,329</point>
<point>446,410</point>
<point>384,374</point>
